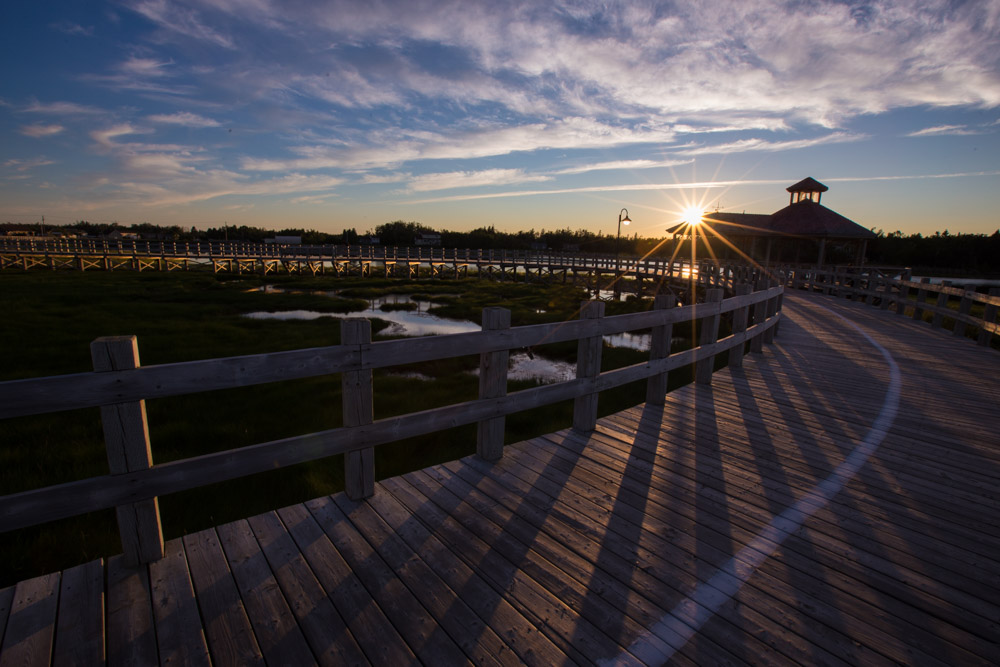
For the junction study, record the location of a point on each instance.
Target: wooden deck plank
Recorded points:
(227, 629)
(131, 635)
(426, 639)
(179, 634)
(890, 498)
(531, 647)
(623, 534)
(907, 583)
(473, 636)
(31, 623)
(380, 641)
(558, 569)
(278, 635)
(729, 480)
(80, 624)
(331, 642)
(474, 542)
(692, 531)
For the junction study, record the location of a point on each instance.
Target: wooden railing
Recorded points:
(246, 257)
(907, 297)
(120, 386)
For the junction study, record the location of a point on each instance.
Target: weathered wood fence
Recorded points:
(952, 306)
(362, 260)
(119, 385)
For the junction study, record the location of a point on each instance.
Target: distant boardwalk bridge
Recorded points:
(239, 257)
(831, 496)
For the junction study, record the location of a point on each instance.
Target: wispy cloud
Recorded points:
(26, 165)
(390, 148)
(944, 130)
(172, 17)
(694, 185)
(70, 28)
(763, 145)
(105, 138)
(472, 179)
(622, 165)
(184, 118)
(38, 131)
(64, 109)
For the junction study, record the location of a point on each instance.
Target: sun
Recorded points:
(692, 215)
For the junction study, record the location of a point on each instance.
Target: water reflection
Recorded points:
(421, 323)
(523, 367)
(402, 322)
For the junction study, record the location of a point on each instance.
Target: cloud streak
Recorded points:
(39, 131)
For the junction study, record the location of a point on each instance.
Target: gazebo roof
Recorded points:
(808, 184)
(807, 218)
(803, 219)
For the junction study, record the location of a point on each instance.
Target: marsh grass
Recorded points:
(52, 318)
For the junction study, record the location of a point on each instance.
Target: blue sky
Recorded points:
(521, 115)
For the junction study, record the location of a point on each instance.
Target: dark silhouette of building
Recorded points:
(802, 230)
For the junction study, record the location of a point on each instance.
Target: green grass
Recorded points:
(52, 318)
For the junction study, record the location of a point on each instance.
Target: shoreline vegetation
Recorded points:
(53, 317)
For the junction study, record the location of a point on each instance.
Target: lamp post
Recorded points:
(618, 267)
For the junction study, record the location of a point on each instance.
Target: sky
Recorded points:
(521, 115)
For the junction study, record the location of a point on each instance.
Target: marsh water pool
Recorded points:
(420, 322)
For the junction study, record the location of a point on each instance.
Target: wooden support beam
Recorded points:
(588, 365)
(741, 318)
(964, 306)
(918, 309)
(709, 335)
(772, 310)
(942, 303)
(358, 402)
(989, 317)
(659, 348)
(126, 437)
(759, 315)
(492, 384)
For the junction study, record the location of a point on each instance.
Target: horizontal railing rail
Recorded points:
(907, 297)
(120, 387)
(83, 390)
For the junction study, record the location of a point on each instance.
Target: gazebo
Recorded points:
(800, 225)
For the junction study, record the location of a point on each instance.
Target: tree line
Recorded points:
(973, 253)
(977, 254)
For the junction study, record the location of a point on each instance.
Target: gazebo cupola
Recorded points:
(807, 189)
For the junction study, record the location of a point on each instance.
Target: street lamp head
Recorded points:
(623, 216)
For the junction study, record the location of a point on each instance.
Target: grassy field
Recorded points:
(51, 318)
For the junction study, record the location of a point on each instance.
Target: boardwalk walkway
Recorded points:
(836, 501)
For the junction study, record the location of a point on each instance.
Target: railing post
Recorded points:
(918, 309)
(659, 348)
(126, 437)
(772, 310)
(588, 365)
(709, 335)
(759, 315)
(356, 387)
(902, 296)
(492, 384)
(740, 318)
(989, 317)
(942, 303)
(964, 306)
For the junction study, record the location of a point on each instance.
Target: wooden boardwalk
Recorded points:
(665, 536)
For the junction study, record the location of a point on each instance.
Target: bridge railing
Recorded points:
(119, 385)
(943, 302)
